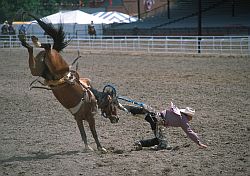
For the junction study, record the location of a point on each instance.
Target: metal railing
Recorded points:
(228, 45)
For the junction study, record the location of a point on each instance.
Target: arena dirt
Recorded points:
(39, 137)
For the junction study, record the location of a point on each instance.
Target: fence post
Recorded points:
(138, 43)
(126, 43)
(230, 45)
(214, 45)
(113, 43)
(10, 42)
(241, 47)
(181, 43)
(166, 44)
(78, 43)
(221, 50)
(248, 44)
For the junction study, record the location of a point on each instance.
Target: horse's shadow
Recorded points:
(38, 156)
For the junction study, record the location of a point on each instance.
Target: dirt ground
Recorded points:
(39, 137)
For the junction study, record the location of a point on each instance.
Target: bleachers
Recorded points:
(183, 14)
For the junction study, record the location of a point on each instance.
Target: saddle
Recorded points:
(85, 82)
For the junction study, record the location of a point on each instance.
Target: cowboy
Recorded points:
(4, 29)
(91, 24)
(174, 117)
(22, 29)
(11, 29)
(91, 29)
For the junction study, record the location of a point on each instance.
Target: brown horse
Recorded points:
(74, 93)
(91, 30)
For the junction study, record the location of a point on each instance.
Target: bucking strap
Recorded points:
(75, 109)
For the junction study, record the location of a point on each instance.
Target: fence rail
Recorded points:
(230, 45)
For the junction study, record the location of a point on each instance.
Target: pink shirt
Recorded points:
(172, 119)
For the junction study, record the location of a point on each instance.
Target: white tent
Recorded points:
(115, 17)
(73, 17)
(74, 23)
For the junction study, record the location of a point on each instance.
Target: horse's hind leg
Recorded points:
(35, 41)
(32, 62)
(93, 131)
(83, 134)
(24, 43)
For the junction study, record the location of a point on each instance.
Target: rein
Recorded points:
(38, 87)
(131, 101)
(140, 104)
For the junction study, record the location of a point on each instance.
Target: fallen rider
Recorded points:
(174, 117)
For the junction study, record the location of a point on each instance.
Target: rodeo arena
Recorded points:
(127, 87)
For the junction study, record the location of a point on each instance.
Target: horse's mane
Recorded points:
(57, 34)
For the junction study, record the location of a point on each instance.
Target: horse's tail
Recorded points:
(57, 34)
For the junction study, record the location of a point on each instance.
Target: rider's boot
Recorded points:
(146, 143)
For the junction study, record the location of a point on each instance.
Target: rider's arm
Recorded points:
(187, 129)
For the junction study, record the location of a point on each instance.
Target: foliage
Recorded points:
(11, 10)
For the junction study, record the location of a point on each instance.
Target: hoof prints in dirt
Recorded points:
(217, 88)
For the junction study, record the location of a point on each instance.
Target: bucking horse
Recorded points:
(74, 93)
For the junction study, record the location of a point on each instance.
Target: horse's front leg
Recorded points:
(83, 134)
(93, 131)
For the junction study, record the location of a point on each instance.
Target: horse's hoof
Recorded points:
(36, 42)
(22, 37)
(103, 150)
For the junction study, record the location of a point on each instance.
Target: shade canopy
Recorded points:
(115, 17)
(75, 17)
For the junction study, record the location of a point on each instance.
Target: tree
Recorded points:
(11, 10)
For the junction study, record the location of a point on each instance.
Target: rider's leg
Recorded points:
(163, 143)
(146, 143)
(149, 142)
(159, 139)
(150, 118)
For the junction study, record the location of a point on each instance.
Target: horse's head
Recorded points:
(110, 103)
